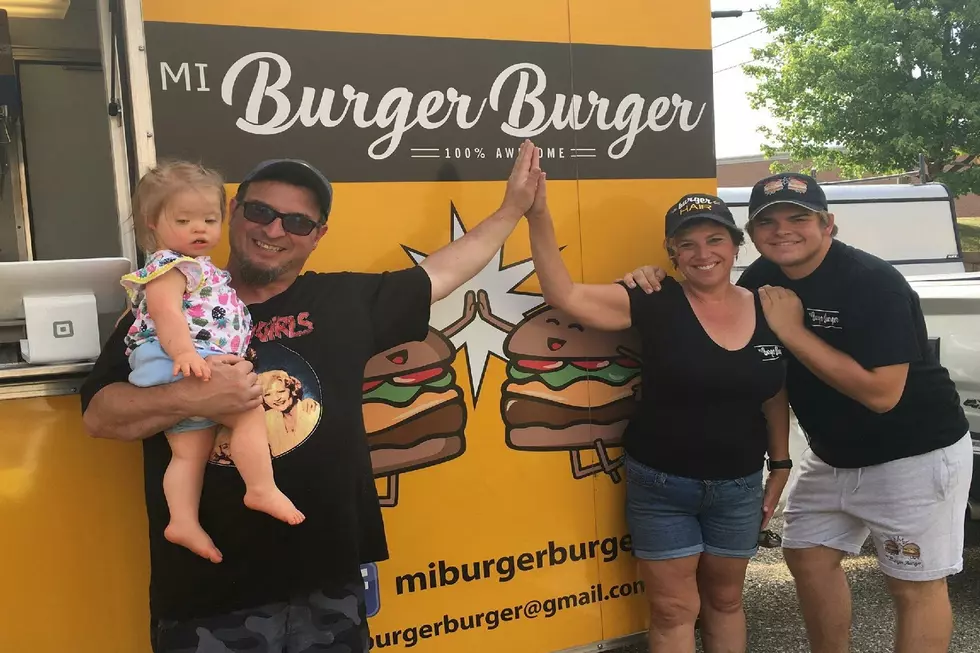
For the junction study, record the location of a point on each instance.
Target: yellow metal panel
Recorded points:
(73, 551)
(646, 23)
(544, 20)
(656, 23)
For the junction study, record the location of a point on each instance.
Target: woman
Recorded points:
(289, 417)
(712, 405)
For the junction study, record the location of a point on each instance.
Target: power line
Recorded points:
(737, 38)
(738, 65)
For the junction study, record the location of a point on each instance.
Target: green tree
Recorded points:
(869, 85)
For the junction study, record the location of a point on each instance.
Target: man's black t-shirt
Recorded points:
(864, 307)
(310, 345)
(700, 412)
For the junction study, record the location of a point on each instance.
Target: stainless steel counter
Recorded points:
(20, 381)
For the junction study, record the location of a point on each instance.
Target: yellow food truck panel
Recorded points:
(505, 508)
(74, 553)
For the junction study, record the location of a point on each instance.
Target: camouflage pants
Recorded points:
(333, 622)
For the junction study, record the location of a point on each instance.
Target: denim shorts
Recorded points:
(674, 517)
(152, 366)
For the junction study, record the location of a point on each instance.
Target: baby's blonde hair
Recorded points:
(155, 189)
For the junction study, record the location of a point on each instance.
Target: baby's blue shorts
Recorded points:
(152, 366)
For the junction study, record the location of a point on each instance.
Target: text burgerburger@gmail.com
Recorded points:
(492, 619)
(505, 568)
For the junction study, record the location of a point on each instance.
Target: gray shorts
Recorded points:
(913, 508)
(334, 623)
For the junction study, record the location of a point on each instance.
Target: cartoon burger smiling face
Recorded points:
(413, 410)
(567, 385)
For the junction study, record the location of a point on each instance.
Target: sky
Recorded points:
(736, 123)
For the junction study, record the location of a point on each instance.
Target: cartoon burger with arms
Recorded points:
(413, 409)
(569, 387)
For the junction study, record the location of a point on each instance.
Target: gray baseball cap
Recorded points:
(293, 171)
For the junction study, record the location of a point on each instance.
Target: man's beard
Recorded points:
(253, 275)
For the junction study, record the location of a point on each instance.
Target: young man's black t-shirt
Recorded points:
(864, 307)
(700, 413)
(310, 344)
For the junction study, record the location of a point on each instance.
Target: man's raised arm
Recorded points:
(458, 262)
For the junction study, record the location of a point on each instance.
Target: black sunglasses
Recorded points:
(294, 223)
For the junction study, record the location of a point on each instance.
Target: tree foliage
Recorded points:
(868, 85)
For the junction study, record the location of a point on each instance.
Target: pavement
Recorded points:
(775, 624)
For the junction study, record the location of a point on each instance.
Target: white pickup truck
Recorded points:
(951, 304)
(914, 228)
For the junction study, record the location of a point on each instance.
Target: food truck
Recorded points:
(504, 516)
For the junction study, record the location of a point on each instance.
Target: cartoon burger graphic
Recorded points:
(413, 409)
(569, 388)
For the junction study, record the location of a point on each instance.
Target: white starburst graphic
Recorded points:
(499, 281)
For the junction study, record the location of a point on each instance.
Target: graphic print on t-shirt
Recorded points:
(291, 397)
(770, 352)
(823, 319)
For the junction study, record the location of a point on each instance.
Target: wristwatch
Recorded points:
(779, 464)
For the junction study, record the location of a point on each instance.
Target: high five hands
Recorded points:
(525, 184)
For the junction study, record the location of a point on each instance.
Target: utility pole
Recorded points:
(923, 169)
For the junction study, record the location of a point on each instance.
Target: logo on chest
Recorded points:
(769, 352)
(824, 319)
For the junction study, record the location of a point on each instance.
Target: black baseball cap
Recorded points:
(293, 171)
(789, 188)
(695, 206)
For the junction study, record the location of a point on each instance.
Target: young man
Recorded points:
(890, 451)
(279, 587)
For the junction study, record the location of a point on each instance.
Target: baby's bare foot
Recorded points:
(274, 502)
(190, 535)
